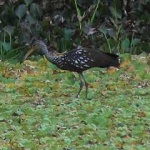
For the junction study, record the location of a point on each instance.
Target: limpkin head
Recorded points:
(39, 46)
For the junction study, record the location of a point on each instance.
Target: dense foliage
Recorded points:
(117, 25)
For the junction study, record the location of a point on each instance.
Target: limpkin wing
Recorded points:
(81, 59)
(77, 60)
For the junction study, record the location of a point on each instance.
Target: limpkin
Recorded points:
(77, 60)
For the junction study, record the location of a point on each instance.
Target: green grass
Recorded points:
(38, 108)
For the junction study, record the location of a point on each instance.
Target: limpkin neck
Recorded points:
(52, 55)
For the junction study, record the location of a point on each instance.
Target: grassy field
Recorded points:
(39, 111)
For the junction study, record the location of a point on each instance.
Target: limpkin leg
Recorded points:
(82, 83)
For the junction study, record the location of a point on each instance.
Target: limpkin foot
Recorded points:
(82, 83)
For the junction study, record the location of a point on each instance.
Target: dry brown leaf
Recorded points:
(112, 70)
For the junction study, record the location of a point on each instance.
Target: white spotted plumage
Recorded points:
(78, 60)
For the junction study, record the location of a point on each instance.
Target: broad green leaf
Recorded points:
(116, 13)
(125, 44)
(9, 29)
(112, 32)
(36, 10)
(135, 42)
(30, 19)
(103, 29)
(68, 34)
(21, 10)
(6, 46)
(28, 2)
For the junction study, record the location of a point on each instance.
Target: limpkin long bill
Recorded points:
(77, 60)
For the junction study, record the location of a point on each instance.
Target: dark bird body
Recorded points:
(78, 60)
